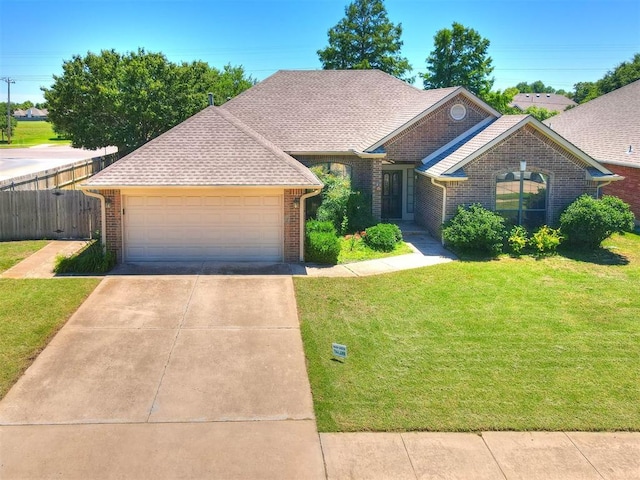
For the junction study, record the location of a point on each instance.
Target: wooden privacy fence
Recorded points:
(50, 214)
(61, 177)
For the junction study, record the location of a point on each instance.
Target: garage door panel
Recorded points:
(217, 227)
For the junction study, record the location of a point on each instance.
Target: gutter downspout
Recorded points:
(303, 199)
(444, 204)
(604, 184)
(103, 216)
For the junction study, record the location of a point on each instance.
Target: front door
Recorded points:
(392, 194)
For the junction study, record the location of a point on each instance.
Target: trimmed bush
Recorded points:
(546, 240)
(322, 244)
(313, 226)
(382, 237)
(588, 221)
(359, 212)
(475, 229)
(322, 247)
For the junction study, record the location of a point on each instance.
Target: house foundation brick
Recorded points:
(113, 229)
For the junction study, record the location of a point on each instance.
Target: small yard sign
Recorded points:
(339, 351)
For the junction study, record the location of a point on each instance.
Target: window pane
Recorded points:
(534, 197)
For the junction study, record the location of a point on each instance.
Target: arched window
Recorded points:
(521, 197)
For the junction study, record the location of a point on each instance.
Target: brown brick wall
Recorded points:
(113, 235)
(567, 173)
(292, 226)
(366, 174)
(627, 189)
(432, 132)
(428, 205)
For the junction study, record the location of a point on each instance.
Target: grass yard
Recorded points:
(13, 252)
(509, 344)
(32, 133)
(353, 249)
(32, 311)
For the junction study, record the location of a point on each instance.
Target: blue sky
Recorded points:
(560, 42)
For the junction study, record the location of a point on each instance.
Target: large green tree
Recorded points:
(364, 39)
(459, 58)
(127, 99)
(624, 74)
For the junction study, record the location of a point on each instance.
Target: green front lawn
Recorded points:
(13, 252)
(32, 133)
(32, 311)
(510, 344)
(353, 249)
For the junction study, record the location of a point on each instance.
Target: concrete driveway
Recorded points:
(168, 377)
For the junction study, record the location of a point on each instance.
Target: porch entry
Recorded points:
(391, 194)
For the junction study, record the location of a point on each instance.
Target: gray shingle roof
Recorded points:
(448, 162)
(606, 126)
(212, 148)
(331, 110)
(550, 101)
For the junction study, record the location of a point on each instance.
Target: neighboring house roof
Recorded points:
(212, 148)
(447, 163)
(31, 112)
(606, 127)
(334, 110)
(550, 101)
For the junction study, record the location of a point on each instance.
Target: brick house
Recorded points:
(607, 128)
(232, 182)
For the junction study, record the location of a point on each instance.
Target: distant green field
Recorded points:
(30, 134)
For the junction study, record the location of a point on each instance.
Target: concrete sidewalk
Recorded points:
(40, 264)
(489, 456)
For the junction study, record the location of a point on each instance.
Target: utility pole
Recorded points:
(9, 82)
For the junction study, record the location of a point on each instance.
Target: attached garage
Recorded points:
(227, 225)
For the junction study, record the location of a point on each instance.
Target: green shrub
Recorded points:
(335, 197)
(322, 247)
(518, 240)
(317, 226)
(546, 240)
(91, 259)
(475, 229)
(587, 221)
(382, 237)
(359, 212)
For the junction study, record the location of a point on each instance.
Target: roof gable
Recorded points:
(448, 162)
(212, 148)
(605, 127)
(334, 110)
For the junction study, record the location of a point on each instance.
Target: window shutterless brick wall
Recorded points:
(113, 230)
(567, 177)
(628, 189)
(366, 174)
(433, 131)
(428, 206)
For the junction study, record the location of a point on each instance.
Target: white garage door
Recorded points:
(236, 227)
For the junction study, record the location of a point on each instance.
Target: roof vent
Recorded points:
(210, 99)
(630, 151)
(538, 95)
(527, 95)
(548, 95)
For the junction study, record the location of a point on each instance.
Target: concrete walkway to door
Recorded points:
(168, 377)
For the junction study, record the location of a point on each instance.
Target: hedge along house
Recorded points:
(231, 182)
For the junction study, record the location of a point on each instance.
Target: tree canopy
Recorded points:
(364, 39)
(459, 58)
(624, 74)
(127, 99)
